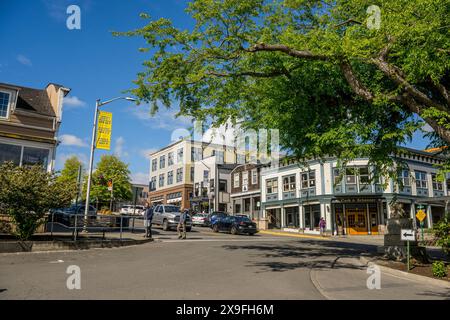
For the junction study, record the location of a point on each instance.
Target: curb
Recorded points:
(315, 282)
(408, 276)
(294, 235)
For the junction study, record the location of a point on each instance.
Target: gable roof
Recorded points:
(34, 100)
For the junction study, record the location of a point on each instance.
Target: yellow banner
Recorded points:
(104, 129)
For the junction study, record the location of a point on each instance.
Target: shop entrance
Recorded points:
(356, 221)
(274, 218)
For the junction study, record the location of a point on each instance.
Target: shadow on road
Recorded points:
(308, 254)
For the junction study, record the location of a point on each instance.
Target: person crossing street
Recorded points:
(181, 228)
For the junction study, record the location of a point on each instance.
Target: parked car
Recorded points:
(67, 215)
(130, 210)
(200, 219)
(168, 217)
(216, 216)
(236, 225)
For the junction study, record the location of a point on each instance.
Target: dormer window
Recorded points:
(4, 104)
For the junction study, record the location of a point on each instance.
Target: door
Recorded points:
(356, 221)
(157, 215)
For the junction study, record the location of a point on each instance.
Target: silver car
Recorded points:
(168, 217)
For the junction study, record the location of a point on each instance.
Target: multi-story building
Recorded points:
(246, 190)
(212, 185)
(295, 197)
(172, 169)
(29, 123)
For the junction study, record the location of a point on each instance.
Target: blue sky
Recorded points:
(39, 48)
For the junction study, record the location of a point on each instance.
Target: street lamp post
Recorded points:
(98, 104)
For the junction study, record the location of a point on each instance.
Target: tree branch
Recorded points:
(304, 54)
(354, 82)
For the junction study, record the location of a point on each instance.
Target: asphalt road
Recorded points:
(206, 266)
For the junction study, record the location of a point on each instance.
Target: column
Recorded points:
(301, 216)
(413, 214)
(344, 222)
(328, 216)
(388, 209)
(429, 217)
(369, 222)
(283, 218)
(380, 212)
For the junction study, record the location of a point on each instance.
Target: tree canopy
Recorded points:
(69, 175)
(111, 168)
(324, 72)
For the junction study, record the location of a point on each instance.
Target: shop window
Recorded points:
(9, 152)
(32, 156)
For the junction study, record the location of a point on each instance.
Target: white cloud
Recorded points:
(24, 60)
(73, 102)
(119, 149)
(139, 177)
(71, 140)
(146, 152)
(164, 119)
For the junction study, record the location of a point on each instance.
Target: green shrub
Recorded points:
(441, 232)
(439, 269)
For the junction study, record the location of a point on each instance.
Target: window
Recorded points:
(404, 178)
(196, 154)
(223, 185)
(170, 159)
(436, 184)
(350, 176)
(337, 176)
(421, 179)
(179, 174)
(245, 178)
(192, 174)
(153, 184)
(240, 158)
(272, 186)
(289, 183)
(161, 180)
(254, 176)
(169, 177)
(32, 156)
(308, 179)
(205, 176)
(236, 180)
(4, 104)
(364, 175)
(162, 162)
(154, 164)
(220, 157)
(180, 155)
(9, 152)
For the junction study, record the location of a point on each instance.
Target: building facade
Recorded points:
(29, 123)
(295, 197)
(246, 190)
(172, 171)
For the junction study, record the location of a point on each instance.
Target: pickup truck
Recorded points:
(168, 217)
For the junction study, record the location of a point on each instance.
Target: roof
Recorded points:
(34, 100)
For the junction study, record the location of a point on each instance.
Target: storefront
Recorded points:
(273, 218)
(357, 216)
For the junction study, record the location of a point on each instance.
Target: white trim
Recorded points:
(10, 102)
(245, 194)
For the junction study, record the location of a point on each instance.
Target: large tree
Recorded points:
(69, 175)
(323, 72)
(110, 168)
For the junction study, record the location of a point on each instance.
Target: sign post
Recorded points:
(407, 235)
(421, 215)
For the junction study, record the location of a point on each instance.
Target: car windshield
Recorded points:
(171, 209)
(243, 219)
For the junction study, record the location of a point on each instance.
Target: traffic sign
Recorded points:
(408, 235)
(421, 215)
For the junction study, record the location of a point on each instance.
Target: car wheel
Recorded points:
(188, 229)
(165, 225)
(251, 234)
(215, 228)
(234, 231)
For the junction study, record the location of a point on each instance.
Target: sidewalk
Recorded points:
(347, 278)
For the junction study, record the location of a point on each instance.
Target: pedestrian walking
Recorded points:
(181, 228)
(148, 216)
(322, 225)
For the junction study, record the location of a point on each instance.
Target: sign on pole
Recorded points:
(104, 130)
(421, 215)
(408, 235)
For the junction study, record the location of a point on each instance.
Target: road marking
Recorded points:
(220, 240)
(283, 234)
